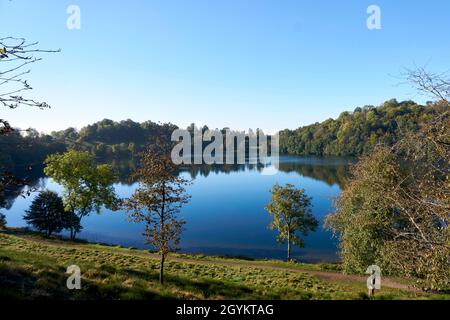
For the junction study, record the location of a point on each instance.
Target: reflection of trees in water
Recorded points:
(125, 168)
(330, 174)
(205, 170)
(329, 170)
(11, 192)
(326, 170)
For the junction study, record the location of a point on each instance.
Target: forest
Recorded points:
(358, 132)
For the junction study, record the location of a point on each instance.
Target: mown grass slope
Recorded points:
(32, 267)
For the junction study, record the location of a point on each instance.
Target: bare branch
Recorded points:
(435, 85)
(16, 53)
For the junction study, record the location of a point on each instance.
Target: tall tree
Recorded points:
(87, 185)
(290, 209)
(158, 200)
(395, 209)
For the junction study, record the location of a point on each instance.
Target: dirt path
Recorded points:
(323, 275)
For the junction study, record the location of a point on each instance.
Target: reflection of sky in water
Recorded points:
(225, 215)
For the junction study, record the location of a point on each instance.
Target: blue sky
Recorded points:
(236, 63)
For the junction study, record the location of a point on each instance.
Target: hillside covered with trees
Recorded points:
(105, 139)
(358, 132)
(20, 150)
(111, 139)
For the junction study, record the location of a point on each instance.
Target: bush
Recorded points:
(46, 213)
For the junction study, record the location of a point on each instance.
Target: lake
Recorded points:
(226, 214)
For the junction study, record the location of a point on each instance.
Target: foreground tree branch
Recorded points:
(16, 54)
(434, 85)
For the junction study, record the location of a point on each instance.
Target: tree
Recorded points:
(158, 200)
(290, 209)
(87, 186)
(72, 223)
(395, 209)
(2, 221)
(46, 213)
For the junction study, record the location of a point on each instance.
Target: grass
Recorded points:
(274, 263)
(32, 267)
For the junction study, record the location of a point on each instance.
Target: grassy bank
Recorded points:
(34, 267)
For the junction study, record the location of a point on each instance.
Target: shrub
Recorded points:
(46, 213)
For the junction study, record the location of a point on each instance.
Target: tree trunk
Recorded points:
(73, 234)
(161, 269)
(162, 221)
(289, 247)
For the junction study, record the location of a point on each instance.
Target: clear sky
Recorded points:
(237, 63)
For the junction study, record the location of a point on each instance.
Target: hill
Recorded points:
(110, 139)
(355, 133)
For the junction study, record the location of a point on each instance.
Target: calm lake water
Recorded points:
(226, 213)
